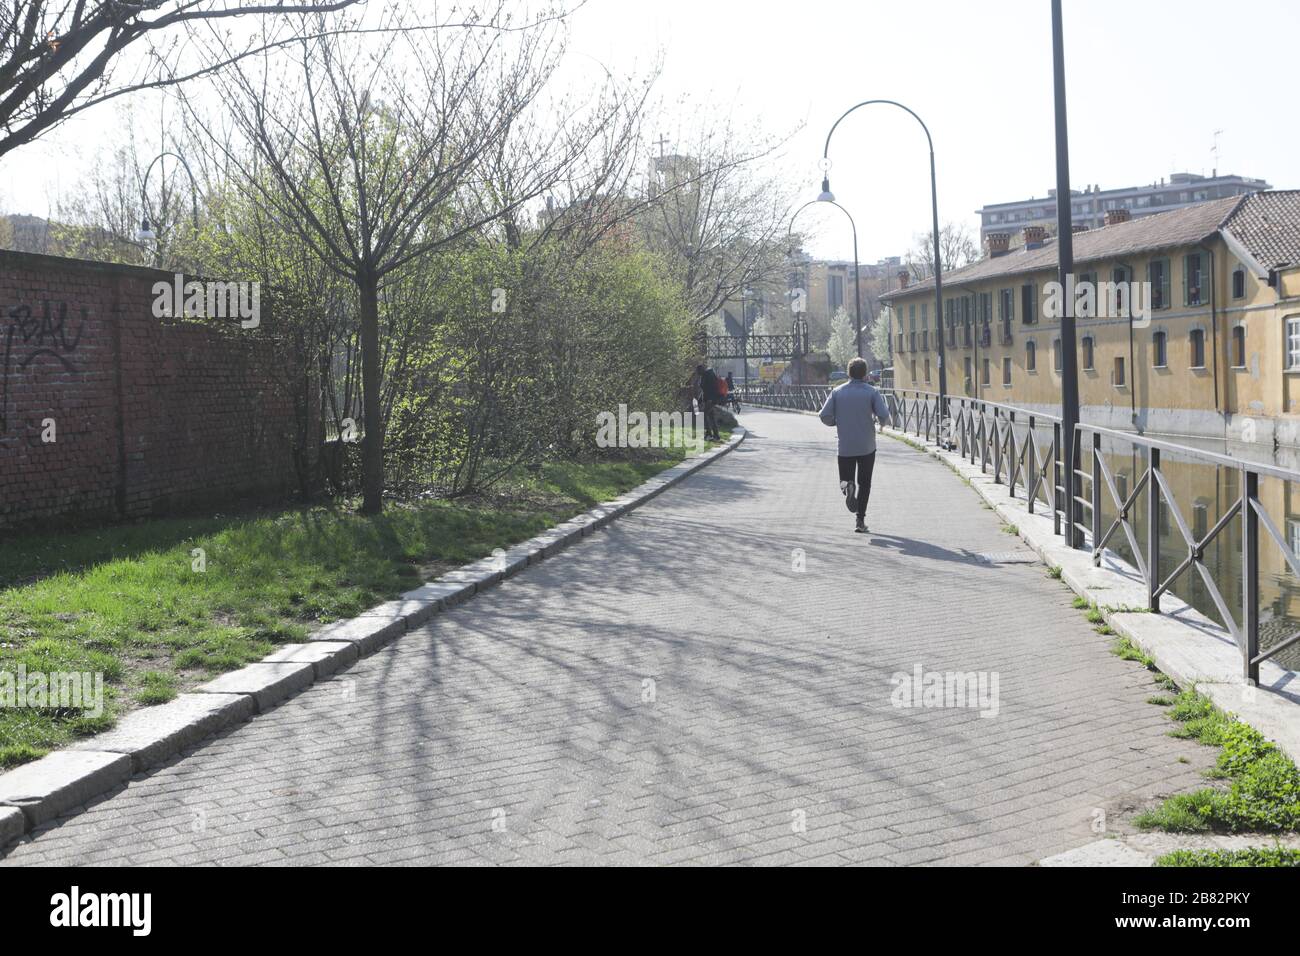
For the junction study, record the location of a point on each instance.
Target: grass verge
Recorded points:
(160, 606)
(1252, 856)
(1263, 792)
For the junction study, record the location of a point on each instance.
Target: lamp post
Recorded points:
(1065, 266)
(744, 341)
(829, 199)
(934, 209)
(146, 232)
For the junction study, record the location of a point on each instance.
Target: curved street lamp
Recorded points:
(146, 232)
(828, 196)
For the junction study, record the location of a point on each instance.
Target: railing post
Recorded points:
(1030, 451)
(1096, 499)
(970, 432)
(984, 438)
(1153, 531)
(1056, 478)
(997, 449)
(1250, 575)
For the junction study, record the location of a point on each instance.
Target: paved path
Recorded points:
(523, 727)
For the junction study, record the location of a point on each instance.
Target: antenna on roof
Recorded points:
(1215, 150)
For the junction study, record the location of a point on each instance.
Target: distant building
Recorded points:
(670, 172)
(822, 286)
(1090, 205)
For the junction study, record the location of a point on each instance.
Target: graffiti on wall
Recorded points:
(28, 334)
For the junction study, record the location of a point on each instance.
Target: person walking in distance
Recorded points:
(852, 410)
(708, 396)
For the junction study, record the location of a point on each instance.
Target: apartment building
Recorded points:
(1089, 206)
(1218, 357)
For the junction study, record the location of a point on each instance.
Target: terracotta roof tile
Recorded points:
(1268, 225)
(1178, 227)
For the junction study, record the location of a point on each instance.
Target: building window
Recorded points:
(1293, 341)
(970, 372)
(1006, 371)
(1192, 278)
(1087, 353)
(1007, 305)
(1119, 372)
(927, 371)
(1159, 350)
(1197, 342)
(1028, 303)
(1057, 361)
(913, 371)
(1239, 283)
(1200, 520)
(1158, 276)
(835, 292)
(1119, 303)
(1238, 346)
(1031, 357)
(984, 373)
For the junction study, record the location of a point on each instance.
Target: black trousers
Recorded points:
(863, 465)
(710, 418)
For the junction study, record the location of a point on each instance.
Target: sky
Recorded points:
(1149, 82)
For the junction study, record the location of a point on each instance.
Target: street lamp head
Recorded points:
(827, 195)
(146, 233)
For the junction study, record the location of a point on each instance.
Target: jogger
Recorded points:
(852, 409)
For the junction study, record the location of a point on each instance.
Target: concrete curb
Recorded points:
(38, 792)
(1143, 849)
(1185, 644)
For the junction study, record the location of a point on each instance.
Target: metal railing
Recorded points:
(1246, 506)
(803, 398)
(1022, 449)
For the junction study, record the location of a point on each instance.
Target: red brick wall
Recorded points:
(151, 414)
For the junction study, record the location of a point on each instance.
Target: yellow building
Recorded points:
(1195, 329)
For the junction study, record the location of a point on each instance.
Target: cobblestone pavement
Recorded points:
(675, 690)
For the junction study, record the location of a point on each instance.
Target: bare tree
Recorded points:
(367, 152)
(718, 215)
(589, 193)
(956, 249)
(60, 57)
(98, 218)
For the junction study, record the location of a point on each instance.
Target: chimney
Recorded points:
(1035, 236)
(1116, 216)
(903, 276)
(997, 243)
